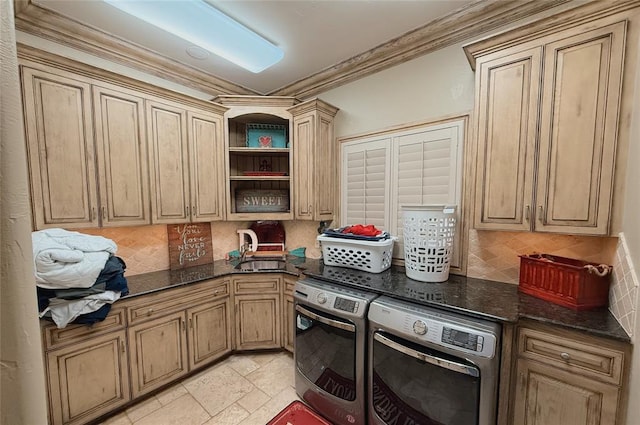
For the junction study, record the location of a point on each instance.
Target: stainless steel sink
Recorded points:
(262, 264)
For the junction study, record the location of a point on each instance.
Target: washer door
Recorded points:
(326, 351)
(412, 384)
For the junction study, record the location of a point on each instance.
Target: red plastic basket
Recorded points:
(572, 283)
(297, 413)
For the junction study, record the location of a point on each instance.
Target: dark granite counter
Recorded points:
(477, 297)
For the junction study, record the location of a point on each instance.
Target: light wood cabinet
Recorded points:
(186, 163)
(547, 122)
(158, 351)
(121, 152)
(144, 343)
(315, 159)
(288, 314)
(564, 378)
(88, 379)
(103, 154)
(257, 311)
(209, 332)
(173, 332)
(59, 133)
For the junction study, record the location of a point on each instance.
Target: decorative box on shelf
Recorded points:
(266, 136)
(572, 283)
(262, 200)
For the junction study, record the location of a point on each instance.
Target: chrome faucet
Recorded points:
(244, 248)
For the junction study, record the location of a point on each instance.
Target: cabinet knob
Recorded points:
(104, 212)
(149, 312)
(565, 356)
(527, 212)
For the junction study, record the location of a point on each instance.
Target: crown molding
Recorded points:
(574, 17)
(460, 25)
(474, 19)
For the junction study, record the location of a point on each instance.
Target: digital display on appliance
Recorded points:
(345, 305)
(460, 338)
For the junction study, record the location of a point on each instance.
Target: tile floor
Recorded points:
(244, 389)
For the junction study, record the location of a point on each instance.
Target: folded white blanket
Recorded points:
(65, 259)
(64, 312)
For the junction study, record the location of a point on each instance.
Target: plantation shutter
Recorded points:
(427, 171)
(365, 176)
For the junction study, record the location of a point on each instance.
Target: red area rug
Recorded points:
(297, 413)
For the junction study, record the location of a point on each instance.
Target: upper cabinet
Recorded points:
(59, 134)
(105, 152)
(547, 114)
(185, 156)
(315, 159)
(121, 156)
(280, 158)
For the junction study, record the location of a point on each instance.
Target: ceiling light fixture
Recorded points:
(205, 26)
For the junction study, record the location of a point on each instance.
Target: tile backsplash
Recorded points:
(494, 255)
(623, 294)
(146, 248)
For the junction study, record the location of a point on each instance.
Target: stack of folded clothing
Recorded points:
(78, 276)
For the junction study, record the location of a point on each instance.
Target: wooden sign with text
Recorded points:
(189, 245)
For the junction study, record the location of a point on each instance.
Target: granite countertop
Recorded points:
(486, 299)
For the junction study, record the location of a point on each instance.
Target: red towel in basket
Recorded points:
(362, 230)
(297, 413)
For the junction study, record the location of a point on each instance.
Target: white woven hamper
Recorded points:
(429, 232)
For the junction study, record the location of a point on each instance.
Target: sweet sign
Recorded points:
(189, 245)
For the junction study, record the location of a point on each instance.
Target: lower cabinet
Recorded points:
(144, 343)
(288, 325)
(564, 378)
(209, 335)
(88, 379)
(158, 351)
(257, 309)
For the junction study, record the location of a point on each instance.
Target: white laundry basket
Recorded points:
(428, 233)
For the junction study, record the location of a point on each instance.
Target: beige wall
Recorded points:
(22, 387)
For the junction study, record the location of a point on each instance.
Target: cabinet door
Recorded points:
(507, 116)
(158, 351)
(209, 332)
(89, 379)
(121, 145)
(168, 160)
(578, 131)
(206, 165)
(288, 315)
(315, 167)
(548, 396)
(59, 133)
(257, 321)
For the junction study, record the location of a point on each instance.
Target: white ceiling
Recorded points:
(315, 35)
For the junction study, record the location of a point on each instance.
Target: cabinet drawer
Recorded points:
(259, 284)
(54, 337)
(167, 302)
(597, 361)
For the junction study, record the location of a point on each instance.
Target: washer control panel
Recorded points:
(332, 298)
(435, 328)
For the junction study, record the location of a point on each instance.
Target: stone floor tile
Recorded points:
(181, 411)
(232, 415)
(121, 419)
(242, 364)
(218, 389)
(143, 408)
(171, 394)
(252, 401)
